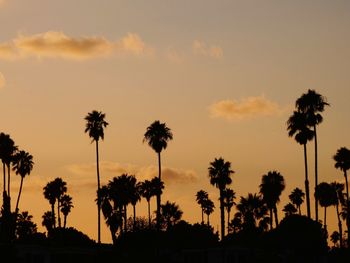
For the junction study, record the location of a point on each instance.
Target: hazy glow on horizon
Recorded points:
(200, 66)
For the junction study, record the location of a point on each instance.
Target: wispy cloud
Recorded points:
(174, 55)
(2, 80)
(111, 169)
(246, 108)
(202, 49)
(53, 44)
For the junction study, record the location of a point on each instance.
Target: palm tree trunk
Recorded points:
(149, 213)
(346, 185)
(271, 216)
(316, 175)
(64, 221)
(202, 215)
(158, 195)
(58, 213)
(222, 214)
(325, 218)
(3, 167)
(134, 208)
(98, 197)
(8, 187)
(299, 210)
(228, 221)
(340, 227)
(347, 206)
(208, 220)
(53, 215)
(307, 190)
(276, 215)
(19, 195)
(125, 219)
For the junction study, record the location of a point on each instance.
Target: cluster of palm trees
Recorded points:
(56, 193)
(21, 162)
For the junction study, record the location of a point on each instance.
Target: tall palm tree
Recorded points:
(297, 198)
(157, 136)
(327, 197)
(201, 197)
(49, 194)
(22, 165)
(313, 104)
(271, 187)
(342, 162)
(95, 124)
(220, 176)
(229, 202)
(66, 207)
(171, 214)
(297, 127)
(338, 188)
(135, 196)
(146, 190)
(289, 209)
(208, 208)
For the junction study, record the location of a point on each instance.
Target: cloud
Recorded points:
(2, 80)
(53, 44)
(244, 109)
(174, 56)
(202, 49)
(111, 169)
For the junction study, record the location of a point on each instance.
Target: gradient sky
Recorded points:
(224, 76)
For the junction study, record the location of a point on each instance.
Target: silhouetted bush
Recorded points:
(69, 237)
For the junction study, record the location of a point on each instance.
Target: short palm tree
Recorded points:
(22, 165)
(327, 197)
(95, 124)
(66, 207)
(271, 187)
(157, 136)
(171, 214)
(297, 198)
(229, 202)
(47, 222)
(338, 188)
(201, 197)
(335, 237)
(146, 190)
(135, 196)
(60, 188)
(289, 209)
(220, 176)
(313, 104)
(49, 194)
(297, 127)
(208, 208)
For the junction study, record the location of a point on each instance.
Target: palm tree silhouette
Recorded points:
(60, 188)
(271, 187)
(95, 124)
(229, 202)
(147, 191)
(201, 197)
(297, 198)
(171, 214)
(135, 196)
(289, 209)
(342, 162)
(49, 194)
(208, 208)
(327, 197)
(312, 104)
(220, 176)
(157, 136)
(66, 207)
(297, 127)
(335, 237)
(22, 165)
(338, 188)
(47, 222)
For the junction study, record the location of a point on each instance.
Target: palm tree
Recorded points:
(171, 214)
(146, 190)
(49, 194)
(47, 222)
(135, 196)
(252, 209)
(335, 237)
(208, 208)
(157, 136)
(297, 127)
(66, 207)
(236, 223)
(271, 187)
(23, 165)
(289, 209)
(338, 189)
(60, 188)
(327, 197)
(220, 176)
(229, 202)
(342, 162)
(201, 197)
(297, 198)
(313, 104)
(95, 124)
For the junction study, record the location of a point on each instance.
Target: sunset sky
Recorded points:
(223, 75)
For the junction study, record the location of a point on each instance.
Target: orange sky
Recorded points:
(224, 76)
